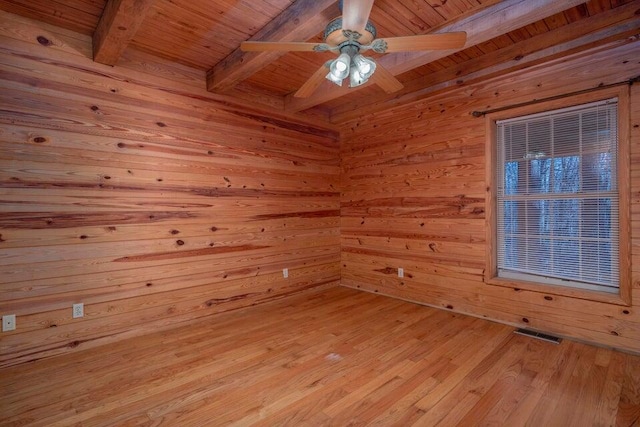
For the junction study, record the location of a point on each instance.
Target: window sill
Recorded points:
(608, 298)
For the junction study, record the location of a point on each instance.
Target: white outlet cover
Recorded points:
(9, 323)
(78, 310)
(285, 273)
(400, 272)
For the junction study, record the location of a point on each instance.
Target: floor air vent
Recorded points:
(538, 335)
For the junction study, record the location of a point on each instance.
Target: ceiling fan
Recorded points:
(349, 35)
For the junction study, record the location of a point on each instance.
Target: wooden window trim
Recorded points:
(623, 297)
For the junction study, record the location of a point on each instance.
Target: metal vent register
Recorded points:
(538, 335)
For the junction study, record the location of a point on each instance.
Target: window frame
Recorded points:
(623, 296)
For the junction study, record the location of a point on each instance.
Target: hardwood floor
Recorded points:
(337, 357)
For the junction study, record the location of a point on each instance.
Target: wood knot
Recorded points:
(432, 246)
(214, 229)
(625, 311)
(121, 145)
(614, 333)
(39, 139)
(180, 242)
(518, 57)
(44, 41)
(94, 108)
(548, 298)
(449, 306)
(149, 285)
(161, 124)
(174, 232)
(84, 236)
(525, 320)
(73, 344)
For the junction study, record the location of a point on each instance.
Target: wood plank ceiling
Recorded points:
(205, 35)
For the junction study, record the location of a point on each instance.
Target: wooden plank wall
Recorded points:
(413, 197)
(143, 197)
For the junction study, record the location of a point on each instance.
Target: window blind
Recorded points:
(557, 197)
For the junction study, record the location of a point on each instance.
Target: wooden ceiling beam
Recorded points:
(598, 30)
(488, 23)
(301, 21)
(117, 27)
(438, 83)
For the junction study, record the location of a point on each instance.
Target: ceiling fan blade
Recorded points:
(355, 14)
(423, 42)
(313, 83)
(387, 81)
(255, 46)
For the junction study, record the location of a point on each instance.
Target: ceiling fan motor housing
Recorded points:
(334, 34)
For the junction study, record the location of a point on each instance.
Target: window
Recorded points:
(558, 206)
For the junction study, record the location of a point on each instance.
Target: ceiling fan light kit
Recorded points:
(350, 34)
(339, 68)
(361, 71)
(351, 63)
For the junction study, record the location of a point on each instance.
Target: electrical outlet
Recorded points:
(9, 323)
(285, 273)
(78, 310)
(400, 272)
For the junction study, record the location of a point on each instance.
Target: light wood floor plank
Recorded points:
(334, 357)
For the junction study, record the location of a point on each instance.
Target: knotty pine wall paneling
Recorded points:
(413, 181)
(140, 195)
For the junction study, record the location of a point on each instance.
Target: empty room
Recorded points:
(320, 212)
